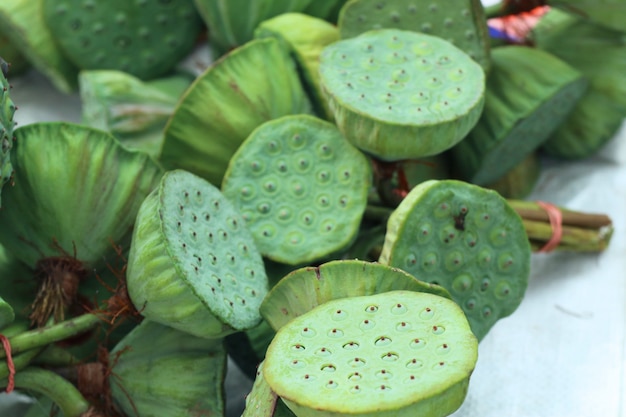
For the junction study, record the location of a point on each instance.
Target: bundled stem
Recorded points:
(581, 232)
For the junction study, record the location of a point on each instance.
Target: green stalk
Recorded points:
(45, 335)
(20, 362)
(59, 390)
(55, 356)
(573, 239)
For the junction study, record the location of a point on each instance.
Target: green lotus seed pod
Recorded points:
(301, 188)
(162, 372)
(7, 110)
(191, 249)
(599, 54)
(466, 239)
(23, 23)
(225, 104)
(520, 113)
(230, 28)
(261, 401)
(306, 288)
(143, 38)
(134, 111)
(519, 182)
(460, 22)
(402, 95)
(88, 189)
(395, 354)
(305, 36)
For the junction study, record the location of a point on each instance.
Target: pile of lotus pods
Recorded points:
(335, 202)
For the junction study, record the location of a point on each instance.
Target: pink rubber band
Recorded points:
(556, 221)
(7, 348)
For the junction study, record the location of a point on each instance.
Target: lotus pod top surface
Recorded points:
(160, 371)
(466, 239)
(461, 22)
(144, 38)
(306, 288)
(251, 85)
(87, 189)
(191, 248)
(300, 186)
(399, 94)
(7, 110)
(520, 112)
(399, 353)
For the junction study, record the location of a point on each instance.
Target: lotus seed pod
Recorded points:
(402, 95)
(23, 24)
(162, 372)
(395, 354)
(306, 37)
(134, 111)
(191, 249)
(7, 110)
(306, 288)
(466, 239)
(521, 112)
(146, 39)
(598, 53)
(460, 22)
(261, 401)
(225, 104)
(301, 188)
(519, 182)
(231, 28)
(88, 189)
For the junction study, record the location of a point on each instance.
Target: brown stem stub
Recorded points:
(59, 277)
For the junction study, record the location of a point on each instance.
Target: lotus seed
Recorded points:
(355, 376)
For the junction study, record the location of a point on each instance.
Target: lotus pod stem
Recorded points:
(45, 335)
(62, 392)
(581, 232)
